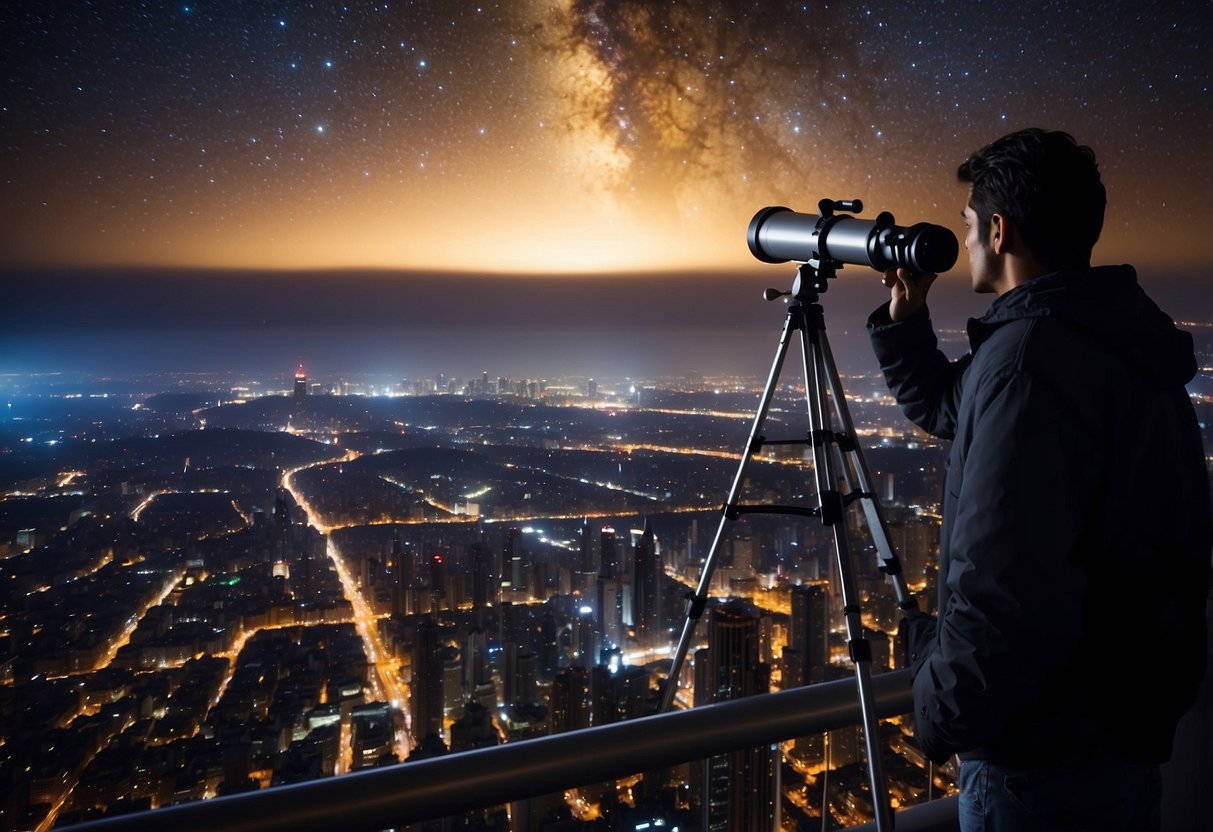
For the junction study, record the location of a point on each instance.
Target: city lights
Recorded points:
(338, 544)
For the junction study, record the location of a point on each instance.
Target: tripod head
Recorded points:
(809, 283)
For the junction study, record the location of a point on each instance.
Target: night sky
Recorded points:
(568, 136)
(548, 135)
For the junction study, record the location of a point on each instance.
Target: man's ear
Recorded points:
(999, 234)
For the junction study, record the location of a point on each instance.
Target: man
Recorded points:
(1075, 545)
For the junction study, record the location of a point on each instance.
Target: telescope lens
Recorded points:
(776, 234)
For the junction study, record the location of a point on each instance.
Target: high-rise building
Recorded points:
(585, 636)
(300, 384)
(547, 646)
(425, 700)
(618, 694)
(587, 565)
(810, 633)
(510, 619)
(734, 666)
(282, 525)
(646, 597)
(608, 558)
(882, 653)
(807, 654)
(452, 682)
(703, 688)
(520, 677)
(480, 574)
(570, 708)
(793, 667)
(395, 553)
(371, 735)
(608, 615)
(402, 578)
(437, 581)
(739, 789)
(474, 729)
(475, 659)
(511, 562)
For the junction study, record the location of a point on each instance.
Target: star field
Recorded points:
(567, 135)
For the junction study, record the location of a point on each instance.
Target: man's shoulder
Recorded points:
(1002, 348)
(1040, 344)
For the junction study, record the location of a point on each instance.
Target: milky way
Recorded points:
(567, 135)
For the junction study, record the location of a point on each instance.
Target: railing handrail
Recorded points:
(408, 792)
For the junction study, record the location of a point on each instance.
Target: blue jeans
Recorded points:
(1104, 796)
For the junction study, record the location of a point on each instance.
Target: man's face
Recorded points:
(983, 265)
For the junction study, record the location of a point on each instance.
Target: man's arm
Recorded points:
(922, 379)
(1013, 618)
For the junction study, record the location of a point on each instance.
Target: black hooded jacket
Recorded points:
(1075, 545)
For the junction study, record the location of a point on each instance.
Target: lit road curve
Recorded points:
(385, 683)
(122, 639)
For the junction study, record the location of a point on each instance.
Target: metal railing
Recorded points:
(393, 796)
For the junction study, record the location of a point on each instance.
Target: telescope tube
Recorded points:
(777, 235)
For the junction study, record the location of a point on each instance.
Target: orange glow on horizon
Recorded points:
(553, 232)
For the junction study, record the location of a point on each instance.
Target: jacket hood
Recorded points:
(1107, 303)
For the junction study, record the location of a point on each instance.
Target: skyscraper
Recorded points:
(608, 615)
(810, 633)
(646, 598)
(511, 561)
(300, 385)
(425, 701)
(739, 789)
(806, 657)
(608, 562)
(520, 675)
(477, 683)
(587, 566)
(570, 700)
(402, 578)
(282, 525)
(480, 574)
(618, 694)
(547, 646)
(474, 729)
(437, 581)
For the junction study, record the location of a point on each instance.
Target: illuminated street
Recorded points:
(117, 644)
(385, 681)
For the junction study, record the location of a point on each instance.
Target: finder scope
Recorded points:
(777, 235)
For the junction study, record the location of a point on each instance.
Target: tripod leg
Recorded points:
(817, 378)
(890, 564)
(794, 321)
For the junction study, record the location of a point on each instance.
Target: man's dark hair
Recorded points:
(1048, 185)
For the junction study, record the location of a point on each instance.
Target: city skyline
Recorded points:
(227, 587)
(338, 324)
(291, 586)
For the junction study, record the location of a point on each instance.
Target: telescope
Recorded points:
(828, 241)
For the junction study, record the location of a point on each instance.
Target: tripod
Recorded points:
(830, 450)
